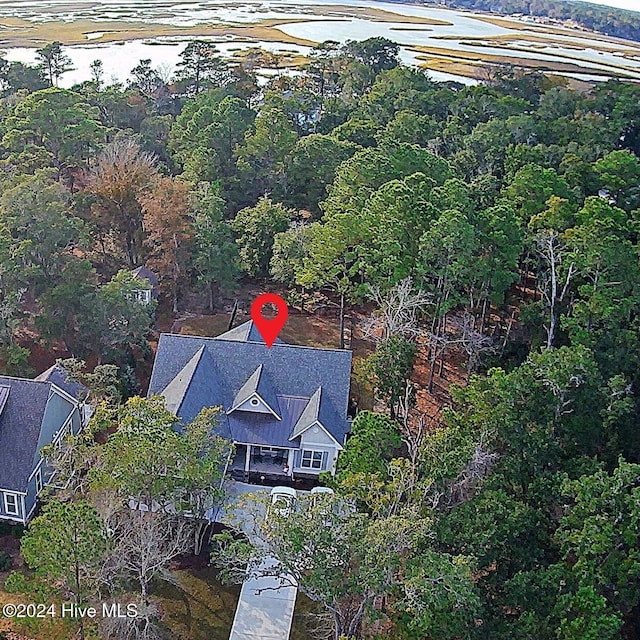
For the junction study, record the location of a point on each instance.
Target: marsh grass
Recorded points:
(470, 57)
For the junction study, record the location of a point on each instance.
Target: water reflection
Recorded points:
(331, 20)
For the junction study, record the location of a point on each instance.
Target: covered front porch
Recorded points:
(262, 463)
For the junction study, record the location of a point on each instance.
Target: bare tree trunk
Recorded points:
(552, 252)
(483, 317)
(342, 320)
(233, 315)
(432, 368)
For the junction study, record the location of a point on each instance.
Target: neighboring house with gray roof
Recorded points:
(283, 405)
(33, 413)
(149, 285)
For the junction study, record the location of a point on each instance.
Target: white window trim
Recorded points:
(65, 430)
(312, 451)
(255, 395)
(143, 296)
(317, 423)
(8, 511)
(39, 480)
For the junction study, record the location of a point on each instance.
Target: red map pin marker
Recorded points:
(269, 328)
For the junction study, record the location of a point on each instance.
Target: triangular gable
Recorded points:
(248, 388)
(237, 334)
(57, 375)
(309, 416)
(258, 389)
(312, 417)
(319, 424)
(176, 390)
(245, 332)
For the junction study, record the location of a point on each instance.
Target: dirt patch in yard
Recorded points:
(301, 329)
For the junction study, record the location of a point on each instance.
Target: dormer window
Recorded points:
(11, 504)
(257, 396)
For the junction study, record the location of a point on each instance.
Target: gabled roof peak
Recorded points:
(176, 390)
(258, 385)
(4, 396)
(309, 416)
(245, 332)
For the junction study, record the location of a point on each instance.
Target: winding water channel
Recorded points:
(316, 21)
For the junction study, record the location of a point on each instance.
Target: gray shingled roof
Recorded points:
(245, 332)
(205, 383)
(258, 383)
(20, 425)
(59, 377)
(292, 371)
(146, 274)
(175, 392)
(309, 416)
(260, 428)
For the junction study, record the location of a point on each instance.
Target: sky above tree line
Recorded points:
(632, 5)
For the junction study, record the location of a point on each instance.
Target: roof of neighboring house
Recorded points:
(20, 424)
(194, 372)
(60, 378)
(146, 274)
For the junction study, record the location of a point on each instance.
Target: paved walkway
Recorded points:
(265, 608)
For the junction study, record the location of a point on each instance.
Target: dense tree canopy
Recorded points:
(485, 236)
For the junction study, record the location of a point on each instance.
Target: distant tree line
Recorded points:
(611, 21)
(489, 231)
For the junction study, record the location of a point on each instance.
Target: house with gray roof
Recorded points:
(286, 405)
(149, 285)
(34, 413)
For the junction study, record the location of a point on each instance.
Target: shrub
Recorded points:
(16, 582)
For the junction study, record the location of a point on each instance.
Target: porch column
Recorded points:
(247, 459)
(290, 460)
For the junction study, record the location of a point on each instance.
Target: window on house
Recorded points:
(38, 481)
(311, 459)
(61, 435)
(269, 451)
(11, 504)
(143, 296)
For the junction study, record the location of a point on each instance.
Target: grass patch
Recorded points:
(198, 607)
(375, 15)
(20, 33)
(521, 25)
(526, 63)
(446, 65)
(16, 32)
(580, 43)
